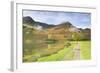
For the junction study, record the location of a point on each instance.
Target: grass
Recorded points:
(85, 50)
(67, 53)
(58, 56)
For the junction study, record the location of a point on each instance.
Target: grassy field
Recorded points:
(58, 56)
(67, 53)
(85, 50)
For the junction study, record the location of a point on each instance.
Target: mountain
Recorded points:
(64, 28)
(66, 24)
(28, 20)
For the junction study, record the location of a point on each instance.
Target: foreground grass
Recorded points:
(58, 56)
(85, 47)
(67, 53)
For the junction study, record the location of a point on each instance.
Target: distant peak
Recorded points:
(28, 20)
(66, 24)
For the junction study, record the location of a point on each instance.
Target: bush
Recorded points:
(67, 44)
(51, 41)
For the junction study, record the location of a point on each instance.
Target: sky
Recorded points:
(78, 19)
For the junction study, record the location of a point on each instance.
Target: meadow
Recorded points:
(68, 53)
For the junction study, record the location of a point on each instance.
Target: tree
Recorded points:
(76, 36)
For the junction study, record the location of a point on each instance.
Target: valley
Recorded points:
(44, 42)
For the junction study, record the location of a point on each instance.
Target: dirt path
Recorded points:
(74, 54)
(76, 51)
